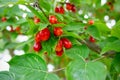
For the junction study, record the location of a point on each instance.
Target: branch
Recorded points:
(36, 4)
(96, 48)
(57, 70)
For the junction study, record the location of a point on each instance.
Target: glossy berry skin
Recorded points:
(37, 37)
(43, 35)
(62, 11)
(66, 43)
(57, 10)
(68, 6)
(37, 46)
(36, 20)
(73, 8)
(59, 53)
(52, 19)
(59, 46)
(58, 31)
(4, 19)
(91, 39)
(90, 22)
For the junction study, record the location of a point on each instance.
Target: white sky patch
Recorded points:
(21, 38)
(4, 66)
(24, 15)
(86, 16)
(84, 21)
(24, 8)
(103, 2)
(106, 18)
(111, 23)
(50, 67)
(10, 5)
(5, 56)
(80, 11)
(19, 52)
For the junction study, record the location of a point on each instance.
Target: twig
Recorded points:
(98, 58)
(57, 70)
(36, 4)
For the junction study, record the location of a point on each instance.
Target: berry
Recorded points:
(91, 39)
(90, 22)
(43, 35)
(59, 46)
(57, 9)
(36, 20)
(52, 19)
(37, 37)
(73, 8)
(59, 53)
(58, 31)
(4, 19)
(68, 6)
(37, 46)
(18, 29)
(61, 10)
(66, 43)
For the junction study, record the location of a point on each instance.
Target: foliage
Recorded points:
(90, 50)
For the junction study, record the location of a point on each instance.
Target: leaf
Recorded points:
(74, 26)
(41, 16)
(116, 30)
(115, 46)
(28, 67)
(103, 29)
(77, 51)
(80, 70)
(93, 31)
(52, 77)
(5, 75)
(116, 64)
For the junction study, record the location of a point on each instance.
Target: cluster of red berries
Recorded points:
(44, 35)
(17, 29)
(69, 6)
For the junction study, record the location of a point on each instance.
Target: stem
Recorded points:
(57, 70)
(97, 59)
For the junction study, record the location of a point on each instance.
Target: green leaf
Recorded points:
(93, 31)
(28, 67)
(74, 26)
(77, 51)
(80, 70)
(115, 46)
(116, 64)
(5, 75)
(41, 16)
(52, 77)
(103, 29)
(116, 30)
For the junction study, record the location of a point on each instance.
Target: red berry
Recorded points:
(90, 22)
(61, 10)
(57, 9)
(37, 37)
(91, 39)
(73, 8)
(59, 46)
(58, 31)
(36, 20)
(59, 53)
(43, 35)
(66, 43)
(68, 6)
(37, 46)
(18, 28)
(52, 19)
(4, 19)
